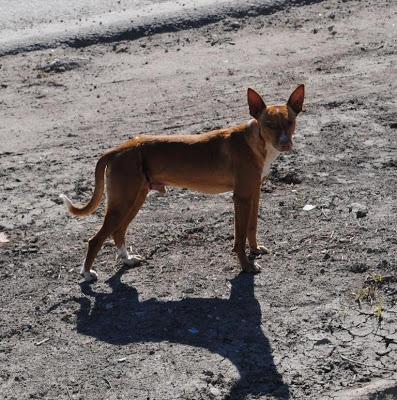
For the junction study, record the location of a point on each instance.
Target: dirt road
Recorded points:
(320, 321)
(39, 24)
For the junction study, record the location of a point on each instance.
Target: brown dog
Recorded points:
(234, 159)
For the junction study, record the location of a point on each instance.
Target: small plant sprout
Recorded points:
(379, 311)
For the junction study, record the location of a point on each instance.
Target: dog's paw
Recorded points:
(132, 260)
(260, 250)
(128, 259)
(89, 276)
(252, 268)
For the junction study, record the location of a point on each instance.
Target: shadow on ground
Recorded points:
(229, 327)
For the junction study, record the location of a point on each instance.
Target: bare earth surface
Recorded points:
(319, 322)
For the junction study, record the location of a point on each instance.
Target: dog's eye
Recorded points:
(270, 126)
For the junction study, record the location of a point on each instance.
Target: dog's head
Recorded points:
(277, 123)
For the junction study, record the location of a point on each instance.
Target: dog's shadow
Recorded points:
(229, 327)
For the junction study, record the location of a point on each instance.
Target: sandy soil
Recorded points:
(319, 320)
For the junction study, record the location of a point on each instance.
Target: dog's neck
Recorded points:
(262, 148)
(271, 155)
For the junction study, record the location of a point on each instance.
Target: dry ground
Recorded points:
(321, 317)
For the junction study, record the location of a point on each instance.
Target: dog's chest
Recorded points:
(271, 155)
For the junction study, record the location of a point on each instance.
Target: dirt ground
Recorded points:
(321, 318)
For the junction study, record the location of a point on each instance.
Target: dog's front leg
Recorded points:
(255, 250)
(242, 208)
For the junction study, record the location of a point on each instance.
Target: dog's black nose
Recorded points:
(283, 139)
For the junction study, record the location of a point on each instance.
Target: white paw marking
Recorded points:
(133, 260)
(89, 276)
(127, 258)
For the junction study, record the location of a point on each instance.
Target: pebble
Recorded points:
(358, 268)
(322, 341)
(358, 209)
(215, 391)
(235, 25)
(326, 256)
(231, 25)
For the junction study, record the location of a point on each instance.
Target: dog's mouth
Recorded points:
(285, 147)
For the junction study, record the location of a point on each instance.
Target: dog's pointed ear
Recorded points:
(296, 99)
(255, 103)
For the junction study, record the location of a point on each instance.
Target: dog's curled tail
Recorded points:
(98, 191)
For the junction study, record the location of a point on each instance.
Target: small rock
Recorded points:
(58, 65)
(235, 25)
(291, 177)
(3, 238)
(358, 268)
(215, 392)
(358, 209)
(327, 368)
(308, 207)
(231, 25)
(326, 256)
(322, 341)
(120, 48)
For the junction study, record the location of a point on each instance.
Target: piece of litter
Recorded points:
(193, 331)
(308, 207)
(42, 342)
(120, 360)
(3, 238)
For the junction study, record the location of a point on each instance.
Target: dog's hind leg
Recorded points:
(113, 219)
(119, 234)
